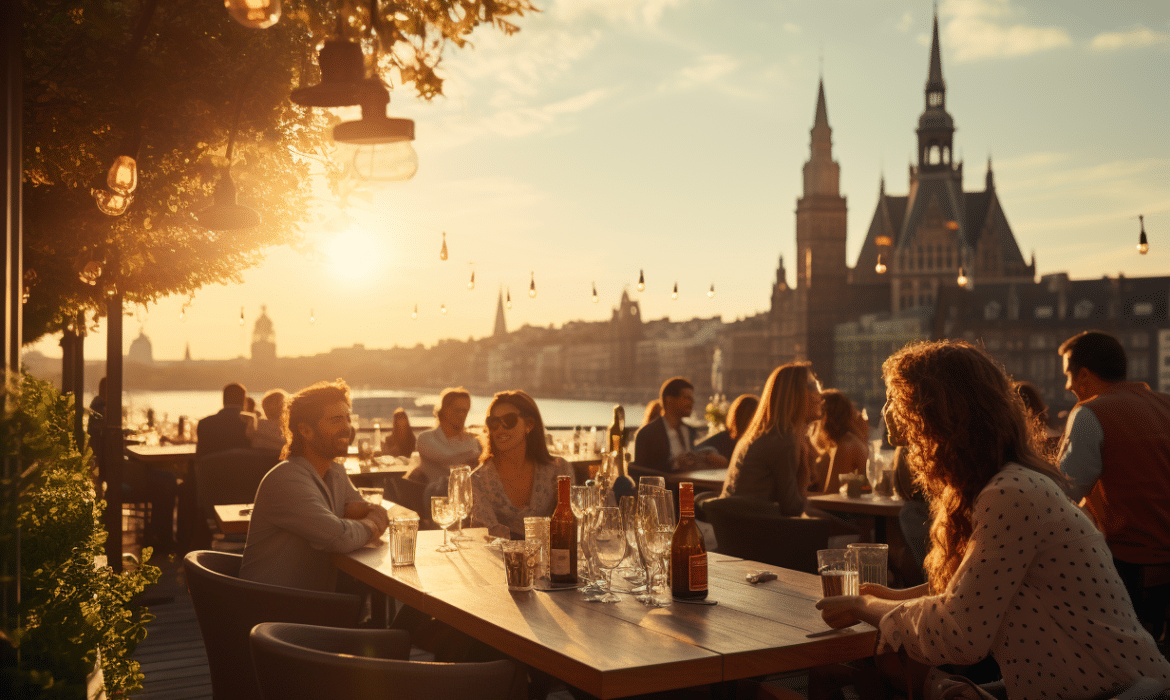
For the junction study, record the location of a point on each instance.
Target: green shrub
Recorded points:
(69, 609)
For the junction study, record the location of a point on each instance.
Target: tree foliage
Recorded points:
(169, 76)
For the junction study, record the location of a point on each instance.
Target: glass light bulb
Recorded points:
(641, 281)
(443, 250)
(385, 162)
(880, 268)
(312, 317)
(442, 308)
(962, 278)
(254, 14)
(711, 292)
(91, 272)
(471, 282)
(182, 314)
(241, 315)
(532, 286)
(508, 300)
(674, 293)
(111, 203)
(595, 297)
(414, 314)
(123, 175)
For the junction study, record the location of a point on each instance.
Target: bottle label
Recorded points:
(698, 572)
(559, 563)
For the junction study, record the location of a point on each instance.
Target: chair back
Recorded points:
(299, 662)
(231, 476)
(228, 607)
(755, 530)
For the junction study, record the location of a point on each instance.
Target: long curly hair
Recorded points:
(963, 421)
(840, 418)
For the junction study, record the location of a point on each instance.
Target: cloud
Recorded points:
(645, 13)
(791, 28)
(1136, 38)
(709, 69)
(981, 29)
(904, 24)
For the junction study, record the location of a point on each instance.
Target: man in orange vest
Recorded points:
(1116, 453)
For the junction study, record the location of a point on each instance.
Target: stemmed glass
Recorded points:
(444, 512)
(655, 532)
(636, 568)
(610, 545)
(580, 499)
(459, 490)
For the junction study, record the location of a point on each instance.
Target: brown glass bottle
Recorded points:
(688, 555)
(563, 537)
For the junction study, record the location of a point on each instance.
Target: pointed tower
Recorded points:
(821, 212)
(501, 328)
(936, 128)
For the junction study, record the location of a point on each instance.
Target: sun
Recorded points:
(355, 253)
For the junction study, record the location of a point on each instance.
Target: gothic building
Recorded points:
(937, 236)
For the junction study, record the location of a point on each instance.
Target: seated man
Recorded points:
(226, 429)
(666, 443)
(306, 508)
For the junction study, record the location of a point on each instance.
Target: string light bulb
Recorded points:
(123, 175)
(962, 277)
(414, 314)
(254, 14)
(241, 315)
(674, 292)
(91, 273)
(508, 298)
(471, 282)
(532, 285)
(880, 268)
(595, 297)
(641, 281)
(1143, 245)
(312, 317)
(443, 250)
(442, 308)
(711, 291)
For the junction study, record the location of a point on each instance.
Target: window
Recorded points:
(934, 99)
(883, 240)
(1037, 341)
(933, 157)
(1143, 308)
(1140, 340)
(1139, 367)
(991, 311)
(1083, 309)
(1043, 312)
(991, 343)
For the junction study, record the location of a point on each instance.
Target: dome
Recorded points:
(934, 118)
(141, 350)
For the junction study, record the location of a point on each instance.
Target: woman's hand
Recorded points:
(841, 611)
(884, 593)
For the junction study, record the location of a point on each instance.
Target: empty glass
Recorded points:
(403, 537)
(632, 568)
(655, 533)
(869, 561)
(610, 546)
(651, 481)
(444, 513)
(537, 530)
(459, 489)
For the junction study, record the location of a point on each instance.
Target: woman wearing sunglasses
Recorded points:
(518, 476)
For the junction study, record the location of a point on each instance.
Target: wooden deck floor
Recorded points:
(172, 655)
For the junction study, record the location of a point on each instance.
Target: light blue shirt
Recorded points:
(1080, 452)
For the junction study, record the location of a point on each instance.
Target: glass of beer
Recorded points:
(520, 559)
(838, 573)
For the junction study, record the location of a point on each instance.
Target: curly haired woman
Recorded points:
(1016, 571)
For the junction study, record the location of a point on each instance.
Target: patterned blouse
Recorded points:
(1037, 590)
(491, 507)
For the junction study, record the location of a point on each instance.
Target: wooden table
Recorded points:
(236, 517)
(703, 479)
(886, 527)
(625, 648)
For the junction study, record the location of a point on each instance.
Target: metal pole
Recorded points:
(112, 445)
(13, 279)
(79, 382)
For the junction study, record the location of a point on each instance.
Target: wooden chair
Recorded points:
(228, 607)
(302, 662)
(756, 530)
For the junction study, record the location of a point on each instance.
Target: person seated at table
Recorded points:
(667, 444)
(264, 432)
(1037, 412)
(306, 508)
(180, 437)
(518, 477)
(653, 412)
(739, 415)
(448, 444)
(1016, 570)
(226, 429)
(401, 441)
(770, 462)
(841, 434)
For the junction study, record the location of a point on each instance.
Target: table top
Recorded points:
(624, 648)
(235, 517)
(703, 479)
(866, 504)
(162, 453)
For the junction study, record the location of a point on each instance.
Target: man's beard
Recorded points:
(329, 446)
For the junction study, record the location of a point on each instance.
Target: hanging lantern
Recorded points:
(442, 308)
(111, 203)
(1143, 245)
(880, 268)
(674, 294)
(532, 285)
(471, 282)
(595, 297)
(342, 69)
(312, 317)
(443, 250)
(225, 214)
(254, 14)
(962, 280)
(641, 281)
(508, 298)
(711, 291)
(182, 313)
(241, 315)
(123, 175)
(414, 314)
(91, 273)
(387, 154)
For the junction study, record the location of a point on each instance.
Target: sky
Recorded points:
(612, 136)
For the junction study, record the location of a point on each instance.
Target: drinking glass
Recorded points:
(579, 502)
(373, 496)
(869, 561)
(610, 546)
(634, 567)
(537, 530)
(459, 489)
(365, 450)
(520, 563)
(444, 512)
(403, 536)
(655, 532)
(652, 482)
(838, 577)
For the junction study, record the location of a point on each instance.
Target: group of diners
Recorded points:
(1042, 565)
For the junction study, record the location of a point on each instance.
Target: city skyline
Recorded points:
(667, 135)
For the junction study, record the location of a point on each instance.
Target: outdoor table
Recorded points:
(621, 649)
(883, 510)
(703, 479)
(236, 517)
(179, 460)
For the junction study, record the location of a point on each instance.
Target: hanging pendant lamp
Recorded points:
(225, 214)
(443, 250)
(532, 285)
(1143, 245)
(641, 281)
(342, 70)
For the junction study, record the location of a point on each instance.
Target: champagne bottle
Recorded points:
(618, 427)
(563, 536)
(688, 555)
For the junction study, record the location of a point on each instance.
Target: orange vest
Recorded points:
(1131, 500)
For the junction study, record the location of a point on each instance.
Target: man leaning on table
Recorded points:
(306, 508)
(666, 444)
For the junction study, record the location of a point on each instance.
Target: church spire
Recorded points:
(821, 174)
(501, 328)
(934, 79)
(936, 128)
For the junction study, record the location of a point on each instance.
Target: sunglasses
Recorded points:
(506, 421)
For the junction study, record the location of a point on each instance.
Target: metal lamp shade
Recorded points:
(225, 214)
(342, 70)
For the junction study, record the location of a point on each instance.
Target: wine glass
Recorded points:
(651, 482)
(636, 567)
(579, 501)
(609, 543)
(459, 489)
(444, 512)
(654, 518)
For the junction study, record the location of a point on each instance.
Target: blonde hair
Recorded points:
(783, 402)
